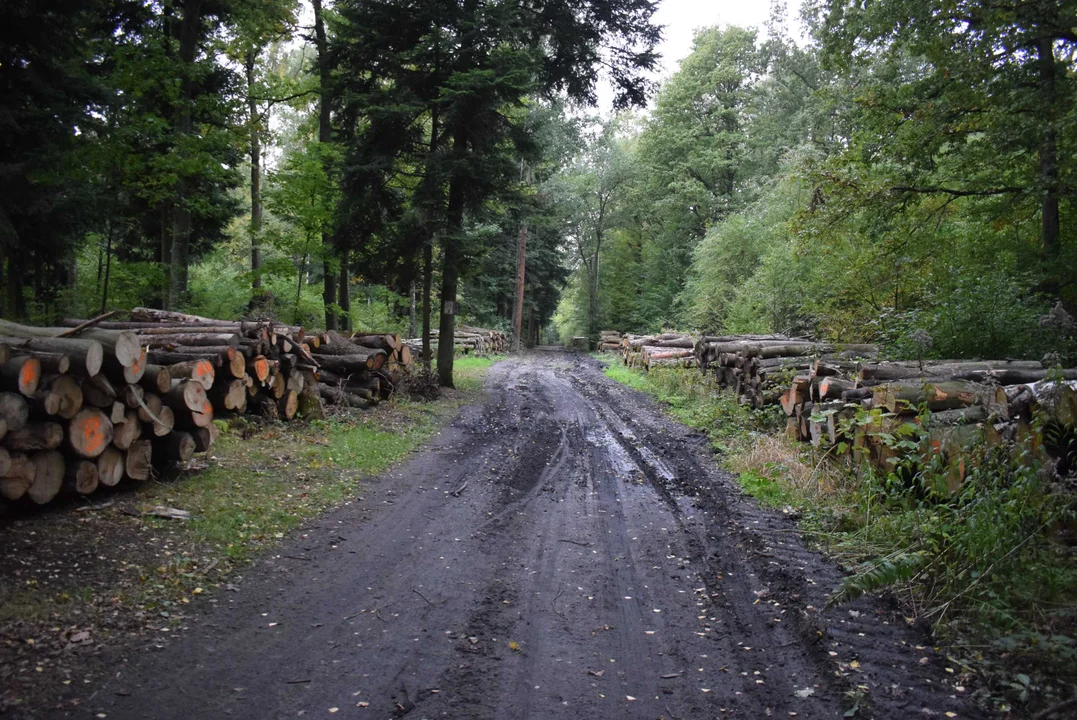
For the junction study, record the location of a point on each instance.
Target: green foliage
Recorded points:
(879, 575)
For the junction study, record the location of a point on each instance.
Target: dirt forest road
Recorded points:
(561, 551)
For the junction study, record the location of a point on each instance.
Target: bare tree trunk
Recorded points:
(1049, 170)
(190, 32)
(344, 290)
(256, 177)
(325, 135)
(108, 268)
(428, 248)
(521, 270)
(450, 243)
(411, 310)
(165, 252)
(428, 283)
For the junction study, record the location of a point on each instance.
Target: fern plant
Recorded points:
(879, 574)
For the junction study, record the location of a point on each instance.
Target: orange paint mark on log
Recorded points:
(203, 369)
(94, 432)
(28, 373)
(207, 408)
(261, 368)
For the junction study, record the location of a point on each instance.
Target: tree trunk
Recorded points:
(108, 268)
(450, 265)
(428, 283)
(189, 35)
(430, 186)
(1049, 170)
(521, 271)
(256, 177)
(325, 135)
(411, 310)
(165, 251)
(344, 293)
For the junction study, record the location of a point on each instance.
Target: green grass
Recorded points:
(267, 480)
(694, 399)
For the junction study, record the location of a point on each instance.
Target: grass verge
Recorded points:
(985, 565)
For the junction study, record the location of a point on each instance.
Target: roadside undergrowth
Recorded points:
(87, 571)
(990, 567)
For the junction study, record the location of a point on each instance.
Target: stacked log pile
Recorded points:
(757, 368)
(94, 402)
(841, 396)
(669, 349)
(74, 412)
(467, 340)
(361, 370)
(609, 341)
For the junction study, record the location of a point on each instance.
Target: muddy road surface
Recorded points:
(561, 551)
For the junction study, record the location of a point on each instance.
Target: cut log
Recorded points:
(277, 385)
(152, 406)
(138, 461)
(831, 388)
(295, 382)
(1005, 372)
(905, 398)
(200, 371)
(130, 372)
(204, 437)
(35, 436)
(126, 432)
(186, 420)
(3, 430)
(193, 340)
(19, 476)
(98, 391)
(157, 379)
(288, 404)
(177, 446)
(21, 373)
(54, 363)
(164, 421)
(49, 470)
(338, 396)
(259, 368)
(85, 354)
(59, 395)
(369, 359)
(123, 344)
(185, 395)
(5, 461)
(110, 467)
(133, 396)
(118, 413)
(14, 410)
(236, 362)
(231, 395)
(81, 477)
(310, 399)
(90, 433)
(960, 416)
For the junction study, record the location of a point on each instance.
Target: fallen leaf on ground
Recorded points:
(806, 692)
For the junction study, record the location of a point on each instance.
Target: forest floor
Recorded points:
(561, 550)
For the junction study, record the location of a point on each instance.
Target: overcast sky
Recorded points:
(682, 18)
